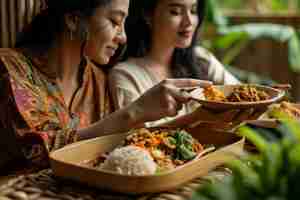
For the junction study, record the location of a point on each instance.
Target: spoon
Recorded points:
(205, 151)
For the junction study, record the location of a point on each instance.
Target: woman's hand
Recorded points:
(165, 99)
(207, 118)
(232, 116)
(227, 119)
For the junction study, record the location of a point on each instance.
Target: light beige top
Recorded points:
(128, 81)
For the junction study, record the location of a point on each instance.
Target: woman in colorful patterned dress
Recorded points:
(53, 94)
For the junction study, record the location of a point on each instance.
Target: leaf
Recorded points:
(275, 198)
(294, 158)
(246, 176)
(218, 190)
(294, 53)
(276, 32)
(293, 191)
(270, 134)
(200, 196)
(272, 166)
(214, 14)
(234, 52)
(292, 128)
(252, 136)
(230, 39)
(289, 127)
(278, 5)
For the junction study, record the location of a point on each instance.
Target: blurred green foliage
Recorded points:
(271, 174)
(260, 6)
(232, 39)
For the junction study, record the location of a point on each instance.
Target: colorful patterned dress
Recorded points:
(34, 117)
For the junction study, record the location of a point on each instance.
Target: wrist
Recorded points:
(135, 115)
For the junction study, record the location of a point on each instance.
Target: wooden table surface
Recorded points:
(44, 185)
(4, 179)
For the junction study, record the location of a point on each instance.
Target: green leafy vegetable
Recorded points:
(184, 145)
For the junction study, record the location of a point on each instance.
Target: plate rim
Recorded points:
(280, 95)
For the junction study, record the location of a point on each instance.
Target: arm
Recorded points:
(123, 87)
(27, 132)
(120, 121)
(9, 148)
(20, 147)
(162, 100)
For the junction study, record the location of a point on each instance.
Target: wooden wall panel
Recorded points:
(4, 23)
(267, 57)
(14, 15)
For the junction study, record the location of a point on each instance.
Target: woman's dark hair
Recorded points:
(184, 63)
(41, 32)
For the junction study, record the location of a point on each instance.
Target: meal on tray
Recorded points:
(290, 109)
(245, 93)
(145, 152)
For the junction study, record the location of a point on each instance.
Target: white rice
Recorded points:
(130, 160)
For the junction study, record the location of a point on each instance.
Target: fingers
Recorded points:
(172, 106)
(170, 91)
(248, 114)
(187, 82)
(174, 87)
(205, 114)
(174, 92)
(243, 115)
(228, 116)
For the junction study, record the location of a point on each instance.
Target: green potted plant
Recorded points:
(273, 174)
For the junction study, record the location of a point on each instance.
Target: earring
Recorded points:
(122, 51)
(148, 22)
(71, 35)
(87, 35)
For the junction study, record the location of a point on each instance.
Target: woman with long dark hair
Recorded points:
(162, 43)
(52, 93)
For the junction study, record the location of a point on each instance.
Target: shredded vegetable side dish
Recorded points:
(169, 149)
(145, 152)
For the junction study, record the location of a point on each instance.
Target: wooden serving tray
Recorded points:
(68, 163)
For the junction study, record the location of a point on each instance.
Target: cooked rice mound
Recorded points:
(130, 160)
